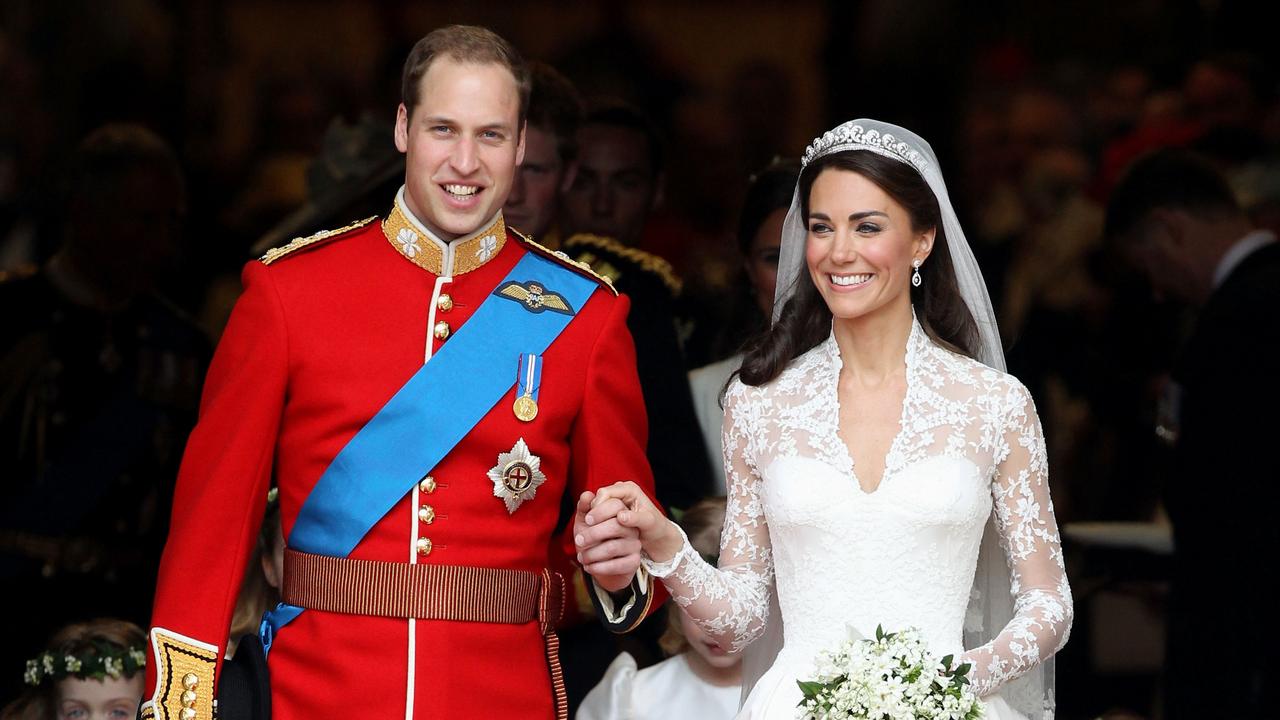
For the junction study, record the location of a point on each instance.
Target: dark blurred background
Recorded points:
(1033, 108)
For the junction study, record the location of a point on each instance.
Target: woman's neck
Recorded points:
(873, 346)
(708, 673)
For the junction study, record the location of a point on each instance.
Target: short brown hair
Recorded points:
(466, 44)
(555, 107)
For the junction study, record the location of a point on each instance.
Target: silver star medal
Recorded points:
(517, 476)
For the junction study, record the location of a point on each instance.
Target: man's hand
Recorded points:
(608, 551)
(623, 507)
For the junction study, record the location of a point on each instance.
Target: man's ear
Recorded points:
(402, 129)
(1169, 223)
(520, 144)
(659, 192)
(570, 174)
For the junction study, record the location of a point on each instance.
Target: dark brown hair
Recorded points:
(465, 44)
(555, 107)
(805, 320)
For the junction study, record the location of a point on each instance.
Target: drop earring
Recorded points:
(915, 276)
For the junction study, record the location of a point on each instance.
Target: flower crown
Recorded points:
(102, 660)
(850, 136)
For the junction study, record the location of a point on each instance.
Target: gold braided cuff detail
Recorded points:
(184, 677)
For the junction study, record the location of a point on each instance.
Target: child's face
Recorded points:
(107, 699)
(710, 651)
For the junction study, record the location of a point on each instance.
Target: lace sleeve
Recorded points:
(730, 603)
(1028, 535)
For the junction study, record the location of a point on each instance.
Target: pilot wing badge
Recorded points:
(534, 297)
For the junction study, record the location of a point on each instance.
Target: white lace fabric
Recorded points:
(969, 444)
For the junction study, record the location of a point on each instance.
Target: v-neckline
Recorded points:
(846, 453)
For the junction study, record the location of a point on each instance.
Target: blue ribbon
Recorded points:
(426, 418)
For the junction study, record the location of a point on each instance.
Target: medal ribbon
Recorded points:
(529, 376)
(427, 418)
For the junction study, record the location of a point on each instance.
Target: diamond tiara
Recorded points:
(853, 137)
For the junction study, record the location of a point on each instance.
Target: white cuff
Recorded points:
(663, 569)
(614, 615)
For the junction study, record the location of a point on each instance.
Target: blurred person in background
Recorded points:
(759, 236)
(1174, 217)
(87, 670)
(618, 184)
(99, 381)
(550, 156)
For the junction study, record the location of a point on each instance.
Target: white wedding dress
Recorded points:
(904, 555)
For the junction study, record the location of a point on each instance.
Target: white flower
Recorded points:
(408, 240)
(488, 245)
(73, 663)
(139, 657)
(112, 667)
(46, 661)
(32, 674)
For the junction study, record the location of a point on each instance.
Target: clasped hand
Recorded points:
(613, 525)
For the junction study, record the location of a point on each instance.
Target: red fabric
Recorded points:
(320, 340)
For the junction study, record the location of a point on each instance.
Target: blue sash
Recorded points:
(428, 416)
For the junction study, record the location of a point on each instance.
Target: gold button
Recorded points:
(428, 485)
(190, 681)
(189, 698)
(188, 714)
(427, 514)
(442, 330)
(444, 302)
(424, 546)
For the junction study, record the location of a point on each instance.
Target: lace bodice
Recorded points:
(969, 442)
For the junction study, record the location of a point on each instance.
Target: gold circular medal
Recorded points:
(526, 408)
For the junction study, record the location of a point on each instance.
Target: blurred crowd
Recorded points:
(147, 152)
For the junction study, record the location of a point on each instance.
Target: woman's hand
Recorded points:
(623, 505)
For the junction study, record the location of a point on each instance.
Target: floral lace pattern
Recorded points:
(969, 449)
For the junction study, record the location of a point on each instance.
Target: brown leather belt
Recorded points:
(431, 592)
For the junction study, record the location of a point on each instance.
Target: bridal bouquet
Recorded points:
(893, 677)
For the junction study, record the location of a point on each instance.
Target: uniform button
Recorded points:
(187, 713)
(190, 681)
(189, 697)
(444, 303)
(424, 546)
(427, 514)
(442, 330)
(427, 485)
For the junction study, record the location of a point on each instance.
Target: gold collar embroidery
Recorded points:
(462, 255)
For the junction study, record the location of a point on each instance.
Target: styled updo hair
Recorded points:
(805, 321)
(702, 523)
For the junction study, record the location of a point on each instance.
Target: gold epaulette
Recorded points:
(563, 259)
(295, 244)
(184, 677)
(645, 260)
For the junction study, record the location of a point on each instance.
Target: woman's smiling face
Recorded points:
(860, 245)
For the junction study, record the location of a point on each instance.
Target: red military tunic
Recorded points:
(328, 329)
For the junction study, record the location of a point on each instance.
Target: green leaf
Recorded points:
(963, 669)
(879, 632)
(810, 689)
(946, 661)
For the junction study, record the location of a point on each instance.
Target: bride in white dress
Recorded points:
(883, 469)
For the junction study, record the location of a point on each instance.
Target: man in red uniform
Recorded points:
(425, 389)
